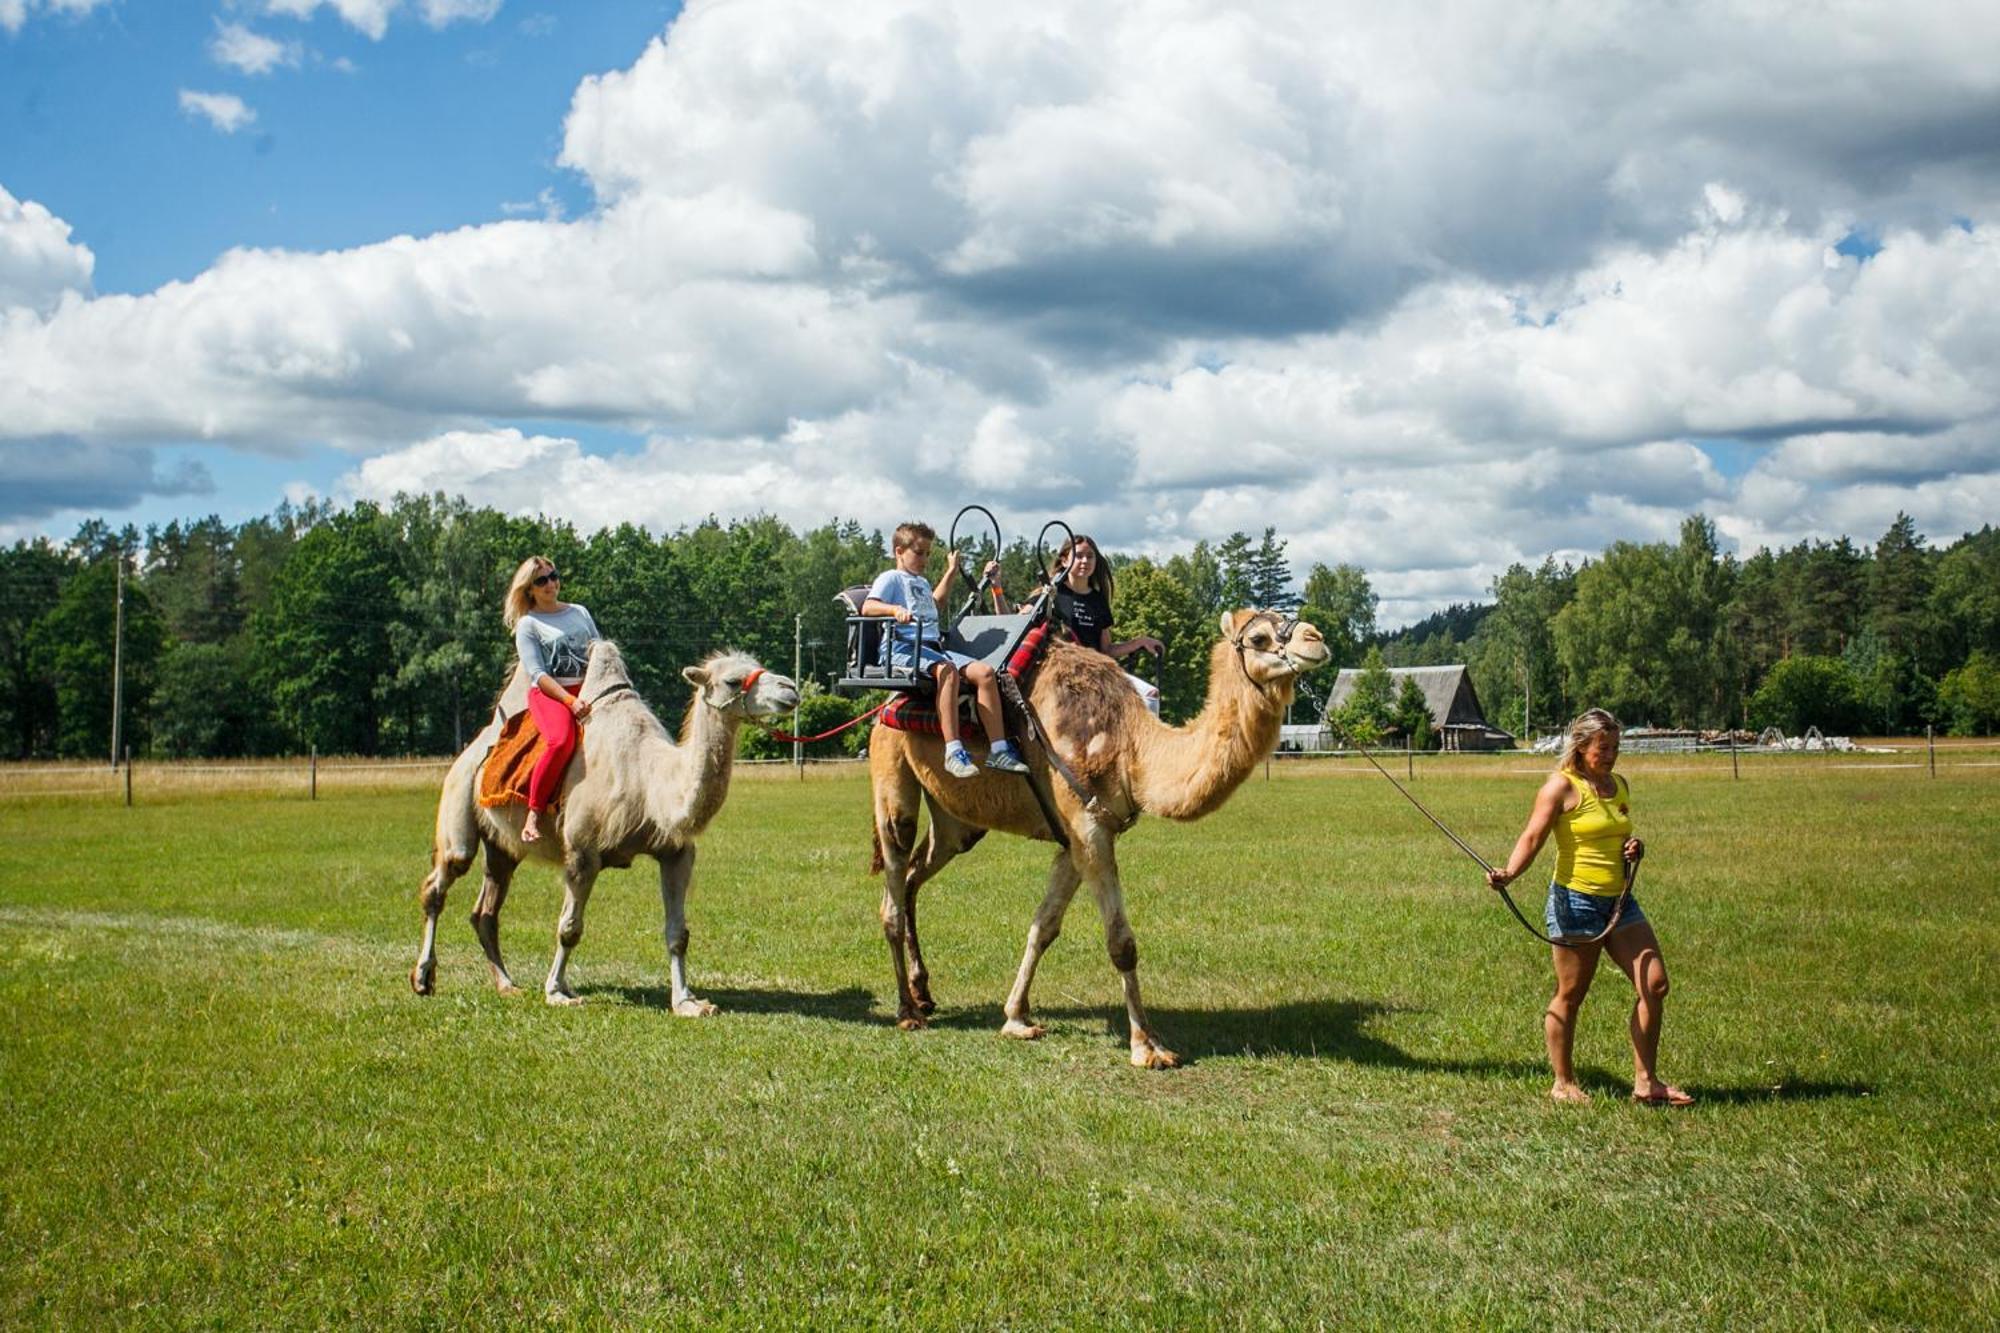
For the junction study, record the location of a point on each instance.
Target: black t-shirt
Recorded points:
(1088, 614)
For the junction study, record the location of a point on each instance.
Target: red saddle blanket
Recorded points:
(917, 712)
(503, 778)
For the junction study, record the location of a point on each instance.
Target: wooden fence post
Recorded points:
(1930, 743)
(313, 778)
(128, 776)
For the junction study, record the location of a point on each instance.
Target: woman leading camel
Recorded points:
(553, 638)
(1590, 809)
(1083, 603)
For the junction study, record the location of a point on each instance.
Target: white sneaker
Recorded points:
(958, 763)
(1005, 759)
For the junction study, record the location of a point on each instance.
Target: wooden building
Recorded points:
(1456, 717)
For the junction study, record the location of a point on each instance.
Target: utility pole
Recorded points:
(118, 665)
(1528, 702)
(798, 747)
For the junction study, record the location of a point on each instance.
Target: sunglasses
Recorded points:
(543, 580)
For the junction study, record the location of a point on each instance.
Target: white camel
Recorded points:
(630, 791)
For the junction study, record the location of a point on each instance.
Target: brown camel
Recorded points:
(630, 791)
(1129, 762)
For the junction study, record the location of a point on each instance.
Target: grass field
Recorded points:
(221, 1106)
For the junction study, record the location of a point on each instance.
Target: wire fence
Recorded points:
(308, 777)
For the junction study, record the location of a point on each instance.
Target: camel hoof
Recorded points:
(421, 981)
(562, 999)
(1150, 1056)
(508, 989)
(693, 1008)
(1021, 1031)
(911, 1022)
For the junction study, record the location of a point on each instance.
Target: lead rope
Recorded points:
(1631, 867)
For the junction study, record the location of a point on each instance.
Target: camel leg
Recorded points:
(948, 838)
(1042, 932)
(1123, 946)
(896, 828)
(486, 914)
(446, 867)
(579, 874)
(676, 870)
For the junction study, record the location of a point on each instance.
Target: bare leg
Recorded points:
(579, 874)
(986, 698)
(1574, 970)
(445, 869)
(676, 870)
(486, 914)
(1636, 950)
(947, 702)
(1042, 932)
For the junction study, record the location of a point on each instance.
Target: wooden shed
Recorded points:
(1456, 717)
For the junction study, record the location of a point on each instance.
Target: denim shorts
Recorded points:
(1575, 915)
(900, 656)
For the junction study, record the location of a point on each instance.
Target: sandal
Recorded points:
(1664, 1094)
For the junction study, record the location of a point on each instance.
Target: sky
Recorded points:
(1432, 289)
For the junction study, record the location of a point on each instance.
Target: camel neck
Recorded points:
(700, 765)
(1187, 772)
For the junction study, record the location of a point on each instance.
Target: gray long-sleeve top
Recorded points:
(555, 643)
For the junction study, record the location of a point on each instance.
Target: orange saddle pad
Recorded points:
(503, 778)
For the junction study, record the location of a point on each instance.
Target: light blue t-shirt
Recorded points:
(914, 591)
(555, 643)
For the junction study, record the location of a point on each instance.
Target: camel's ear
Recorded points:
(694, 676)
(1230, 621)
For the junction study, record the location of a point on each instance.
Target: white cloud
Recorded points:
(371, 17)
(15, 13)
(1428, 296)
(225, 111)
(438, 13)
(39, 264)
(250, 52)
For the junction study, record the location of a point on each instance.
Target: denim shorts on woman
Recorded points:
(1574, 915)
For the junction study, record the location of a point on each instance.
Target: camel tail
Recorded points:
(875, 861)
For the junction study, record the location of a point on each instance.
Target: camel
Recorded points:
(630, 791)
(1129, 762)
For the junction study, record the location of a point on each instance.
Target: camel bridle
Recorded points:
(743, 688)
(1283, 627)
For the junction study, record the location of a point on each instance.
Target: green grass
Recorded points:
(220, 1104)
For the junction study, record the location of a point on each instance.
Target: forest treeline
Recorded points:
(375, 630)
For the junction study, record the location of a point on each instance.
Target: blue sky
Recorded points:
(1431, 290)
(355, 139)
(424, 130)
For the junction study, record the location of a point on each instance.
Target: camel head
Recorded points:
(1273, 647)
(735, 685)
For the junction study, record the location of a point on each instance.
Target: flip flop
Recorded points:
(1664, 1095)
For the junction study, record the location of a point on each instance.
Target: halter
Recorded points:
(1282, 626)
(743, 688)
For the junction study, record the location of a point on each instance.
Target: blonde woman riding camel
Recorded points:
(553, 638)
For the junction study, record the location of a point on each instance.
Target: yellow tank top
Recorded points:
(1590, 840)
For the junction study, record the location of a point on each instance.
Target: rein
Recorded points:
(611, 689)
(854, 721)
(1561, 942)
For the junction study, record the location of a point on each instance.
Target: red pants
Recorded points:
(558, 727)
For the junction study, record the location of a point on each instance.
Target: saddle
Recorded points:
(503, 777)
(918, 713)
